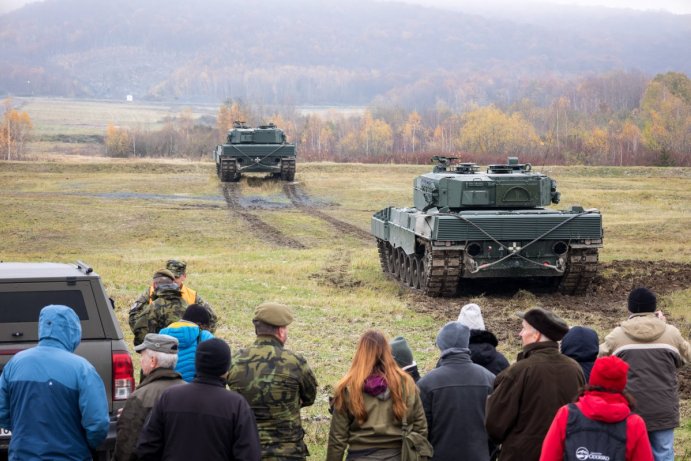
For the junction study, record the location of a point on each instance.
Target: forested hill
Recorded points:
(321, 52)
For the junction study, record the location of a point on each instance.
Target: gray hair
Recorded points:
(163, 359)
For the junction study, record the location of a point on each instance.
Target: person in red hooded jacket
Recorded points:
(600, 425)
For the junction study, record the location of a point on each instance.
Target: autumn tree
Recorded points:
(489, 130)
(666, 115)
(14, 132)
(118, 141)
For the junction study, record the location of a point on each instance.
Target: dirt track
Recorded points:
(295, 197)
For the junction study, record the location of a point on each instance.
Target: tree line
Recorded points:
(616, 119)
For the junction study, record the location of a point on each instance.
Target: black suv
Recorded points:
(25, 288)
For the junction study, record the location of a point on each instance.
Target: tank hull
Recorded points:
(438, 252)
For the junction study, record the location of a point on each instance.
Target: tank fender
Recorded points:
(402, 237)
(423, 225)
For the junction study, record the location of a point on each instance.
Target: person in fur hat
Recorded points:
(601, 421)
(528, 393)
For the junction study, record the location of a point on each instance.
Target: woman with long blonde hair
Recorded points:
(370, 403)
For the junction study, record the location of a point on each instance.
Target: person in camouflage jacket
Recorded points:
(276, 382)
(166, 307)
(177, 271)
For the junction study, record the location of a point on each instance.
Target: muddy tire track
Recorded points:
(301, 200)
(266, 232)
(336, 272)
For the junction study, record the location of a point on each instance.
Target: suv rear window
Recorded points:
(21, 303)
(24, 306)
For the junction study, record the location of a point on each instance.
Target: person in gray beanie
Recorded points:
(404, 357)
(654, 351)
(453, 396)
(218, 421)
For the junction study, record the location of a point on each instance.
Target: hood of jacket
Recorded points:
(483, 346)
(59, 326)
(604, 406)
(644, 327)
(376, 386)
(580, 344)
(185, 332)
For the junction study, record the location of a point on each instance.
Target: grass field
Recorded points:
(125, 218)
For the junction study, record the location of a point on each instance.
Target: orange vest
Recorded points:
(188, 294)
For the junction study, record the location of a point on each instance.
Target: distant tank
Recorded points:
(255, 150)
(468, 225)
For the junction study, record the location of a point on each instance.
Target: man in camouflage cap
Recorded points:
(166, 306)
(276, 382)
(179, 270)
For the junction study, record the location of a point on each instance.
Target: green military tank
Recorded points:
(263, 149)
(468, 225)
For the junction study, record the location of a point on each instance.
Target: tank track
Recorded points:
(228, 171)
(437, 273)
(442, 271)
(288, 169)
(581, 270)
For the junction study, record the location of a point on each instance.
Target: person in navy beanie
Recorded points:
(582, 345)
(218, 421)
(654, 351)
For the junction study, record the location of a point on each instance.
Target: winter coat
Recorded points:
(380, 430)
(201, 420)
(453, 397)
(607, 408)
(654, 351)
(483, 351)
(138, 407)
(53, 400)
(581, 344)
(189, 295)
(188, 335)
(526, 397)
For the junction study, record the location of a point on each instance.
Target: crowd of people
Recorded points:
(566, 397)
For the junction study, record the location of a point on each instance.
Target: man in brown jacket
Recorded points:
(654, 350)
(159, 354)
(528, 394)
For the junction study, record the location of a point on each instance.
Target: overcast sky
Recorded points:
(673, 6)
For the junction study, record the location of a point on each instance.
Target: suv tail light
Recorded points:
(123, 375)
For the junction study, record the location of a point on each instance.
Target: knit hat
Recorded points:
(176, 267)
(546, 322)
(609, 373)
(197, 314)
(278, 315)
(212, 357)
(401, 352)
(642, 300)
(453, 335)
(471, 317)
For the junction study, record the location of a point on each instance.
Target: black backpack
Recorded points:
(588, 440)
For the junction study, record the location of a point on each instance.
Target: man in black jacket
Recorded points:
(453, 396)
(202, 420)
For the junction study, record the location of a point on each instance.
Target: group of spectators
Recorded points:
(557, 401)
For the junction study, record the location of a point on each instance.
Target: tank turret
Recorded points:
(463, 186)
(467, 224)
